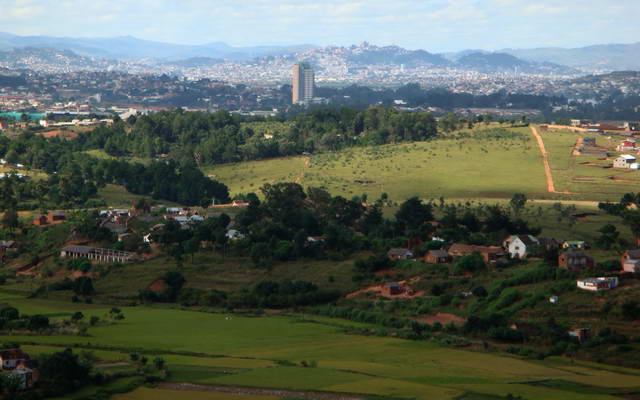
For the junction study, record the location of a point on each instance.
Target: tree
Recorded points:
(469, 263)
(518, 202)
(10, 219)
(413, 213)
(631, 310)
(38, 322)
(609, 237)
(632, 219)
(191, 247)
(159, 363)
(9, 313)
(10, 386)
(63, 371)
(83, 286)
(77, 316)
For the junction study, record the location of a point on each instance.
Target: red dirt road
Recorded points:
(545, 160)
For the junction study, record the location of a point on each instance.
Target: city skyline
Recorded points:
(435, 25)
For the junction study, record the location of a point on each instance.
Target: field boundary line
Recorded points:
(303, 394)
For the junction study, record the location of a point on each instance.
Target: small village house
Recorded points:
(399, 254)
(625, 161)
(40, 220)
(520, 246)
(631, 266)
(548, 243)
(575, 261)
(597, 284)
(630, 255)
(490, 254)
(627, 145)
(27, 376)
(392, 289)
(437, 257)
(575, 245)
(10, 358)
(582, 334)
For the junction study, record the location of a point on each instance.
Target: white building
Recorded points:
(598, 284)
(624, 161)
(520, 246)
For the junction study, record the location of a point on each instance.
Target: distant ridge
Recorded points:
(609, 57)
(128, 47)
(604, 57)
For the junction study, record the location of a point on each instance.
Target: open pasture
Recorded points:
(470, 165)
(266, 352)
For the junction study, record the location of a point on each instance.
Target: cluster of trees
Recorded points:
(628, 208)
(220, 138)
(11, 319)
(264, 294)
(75, 177)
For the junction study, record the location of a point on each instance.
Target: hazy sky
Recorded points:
(436, 25)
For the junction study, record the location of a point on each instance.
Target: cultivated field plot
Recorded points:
(471, 165)
(266, 352)
(585, 175)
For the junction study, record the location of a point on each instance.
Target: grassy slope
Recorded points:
(459, 168)
(452, 167)
(345, 363)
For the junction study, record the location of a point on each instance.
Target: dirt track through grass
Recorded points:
(545, 160)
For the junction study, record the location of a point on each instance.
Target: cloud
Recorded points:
(439, 25)
(543, 9)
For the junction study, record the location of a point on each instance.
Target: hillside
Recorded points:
(598, 57)
(484, 163)
(503, 62)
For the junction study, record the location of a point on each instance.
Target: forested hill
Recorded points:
(221, 138)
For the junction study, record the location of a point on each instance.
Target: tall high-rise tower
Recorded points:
(303, 84)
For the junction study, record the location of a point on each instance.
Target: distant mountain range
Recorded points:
(366, 54)
(608, 57)
(128, 47)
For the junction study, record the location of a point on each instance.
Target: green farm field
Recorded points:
(266, 352)
(465, 165)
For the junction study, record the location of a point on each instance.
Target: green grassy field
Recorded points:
(460, 167)
(251, 351)
(583, 174)
(471, 165)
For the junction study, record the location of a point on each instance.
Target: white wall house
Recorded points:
(520, 246)
(624, 161)
(598, 284)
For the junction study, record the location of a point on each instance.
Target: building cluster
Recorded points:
(572, 256)
(17, 364)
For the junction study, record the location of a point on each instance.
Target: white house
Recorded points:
(520, 246)
(624, 161)
(233, 234)
(598, 284)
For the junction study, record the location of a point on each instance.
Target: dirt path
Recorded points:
(261, 391)
(545, 159)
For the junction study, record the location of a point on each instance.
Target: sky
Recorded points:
(435, 25)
